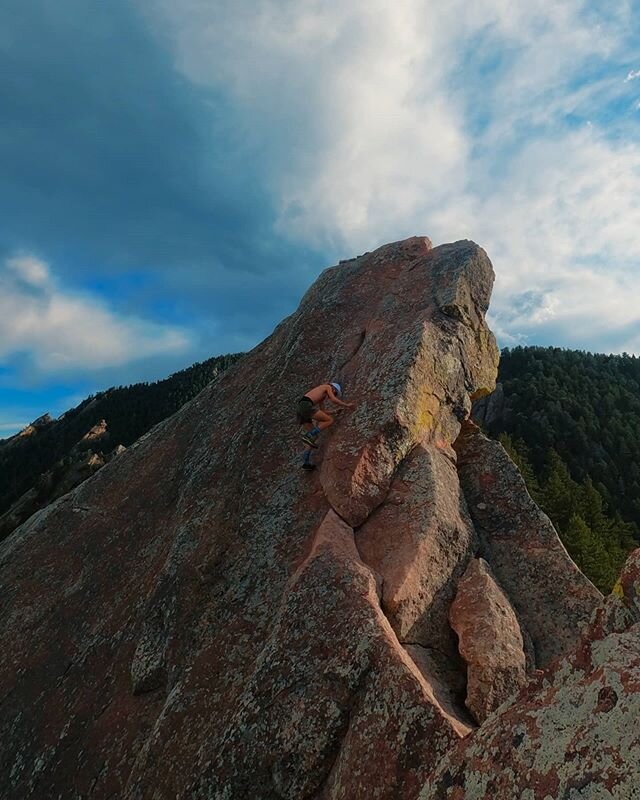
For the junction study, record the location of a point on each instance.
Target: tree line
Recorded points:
(571, 422)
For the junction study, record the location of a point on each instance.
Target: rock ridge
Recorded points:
(202, 619)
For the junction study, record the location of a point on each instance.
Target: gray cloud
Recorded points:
(112, 162)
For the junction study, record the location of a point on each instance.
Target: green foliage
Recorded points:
(571, 423)
(130, 411)
(584, 406)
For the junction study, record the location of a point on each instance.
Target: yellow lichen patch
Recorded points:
(482, 392)
(425, 413)
(618, 590)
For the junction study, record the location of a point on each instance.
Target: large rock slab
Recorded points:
(151, 612)
(552, 598)
(324, 709)
(419, 541)
(416, 351)
(490, 640)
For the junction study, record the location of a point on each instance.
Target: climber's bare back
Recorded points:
(319, 393)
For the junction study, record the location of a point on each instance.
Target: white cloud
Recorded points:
(382, 120)
(57, 330)
(29, 269)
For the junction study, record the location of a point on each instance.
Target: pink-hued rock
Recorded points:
(196, 620)
(490, 640)
(326, 708)
(552, 598)
(628, 586)
(572, 732)
(414, 354)
(419, 542)
(151, 617)
(621, 609)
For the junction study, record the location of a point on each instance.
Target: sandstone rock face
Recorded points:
(419, 542)
(414, 354)
(185, 619)
(490, 640)
(552, 598)
(83, 460)
(65, 476)
(571, 732)
(629, 585)
(203, 619)
(37, 425)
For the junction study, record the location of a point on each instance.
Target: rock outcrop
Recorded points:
(490, 408)
(571, 732)
(552, 598)
(203, 619)
(83, 460)
(42, 423)
(490, 640)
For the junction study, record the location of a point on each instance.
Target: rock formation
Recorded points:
(490, 408)
(83, 460)
(203, 619)
(42, 423)
(572, 731)
(490, 640)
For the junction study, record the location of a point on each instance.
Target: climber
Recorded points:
(313, 418)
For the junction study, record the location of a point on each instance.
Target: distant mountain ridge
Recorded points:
(51, 455)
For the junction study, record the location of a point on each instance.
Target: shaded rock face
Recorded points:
(489, 409)
(419, 543)
(490, 640)
(203, 619)
(550, 595)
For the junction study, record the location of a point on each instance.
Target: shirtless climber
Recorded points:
(313, 418)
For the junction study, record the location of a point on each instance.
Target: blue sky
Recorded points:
(176, 174)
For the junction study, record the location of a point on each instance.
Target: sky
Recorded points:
(176, 173)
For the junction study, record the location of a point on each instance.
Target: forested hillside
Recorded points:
(129, 411)
(571, 420)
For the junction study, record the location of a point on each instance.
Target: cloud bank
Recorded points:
(62, 331)
(509, 123)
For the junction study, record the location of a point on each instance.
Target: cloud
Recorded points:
(499, 121)
(54, 330)
(231, 150)
(29, 269)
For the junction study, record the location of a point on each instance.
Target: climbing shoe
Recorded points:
(308, 466)
(309, 439)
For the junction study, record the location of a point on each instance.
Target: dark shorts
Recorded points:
(304, 410)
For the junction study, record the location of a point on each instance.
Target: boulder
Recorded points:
(490, 640)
